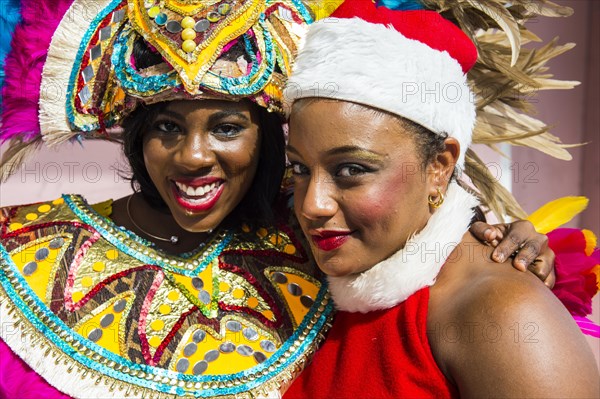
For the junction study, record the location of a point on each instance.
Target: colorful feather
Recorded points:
(10, 15)
(556, 213)
(403, 5)
(23, 68)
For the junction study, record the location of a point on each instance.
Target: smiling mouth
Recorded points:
(198, 197)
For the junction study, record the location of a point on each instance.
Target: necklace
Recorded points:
(173, 239)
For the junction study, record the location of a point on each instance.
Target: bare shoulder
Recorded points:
(500, 332)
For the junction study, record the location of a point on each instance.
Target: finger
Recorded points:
(484, 232)
(507, 247)
(527, 256)
(540, 268)
(550, 280)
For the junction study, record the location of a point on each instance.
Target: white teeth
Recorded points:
(198, 191)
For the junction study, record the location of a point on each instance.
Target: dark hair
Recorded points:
(257, 204)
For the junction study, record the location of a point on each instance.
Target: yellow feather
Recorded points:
(323, 8)
(556, 213)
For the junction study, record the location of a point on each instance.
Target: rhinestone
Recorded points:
(174, 27)
(268, 346)
(294, 289)
(198, 283)
(85, 94)
(105, 33)
(87, 73)
(174, 239)
(279, 278)
(306, 301)
(161, 18)
(182, 365)
(200, 367)
(224, 8)
(56, 243)
(42, 254)
(250, 334)
(118, 16)
(190, 349)
(211, 355)
(30, 268)
(213, 16)
(201, 26)
(233, 326)
(204, 297)
(259, 357)
(119, 306)
(199, 336)
(95, 335)
(245, 350)
(153, 11)
(107, 320)
(227, 347)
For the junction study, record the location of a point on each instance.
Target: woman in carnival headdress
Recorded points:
(421, 315)
(110, 309)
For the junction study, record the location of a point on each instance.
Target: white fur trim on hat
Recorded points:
(375, 65)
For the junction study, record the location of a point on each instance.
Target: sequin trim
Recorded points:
(126, 241)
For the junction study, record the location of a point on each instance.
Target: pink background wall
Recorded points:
(575, 115)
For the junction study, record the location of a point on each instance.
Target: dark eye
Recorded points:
(167, 127)
(351, 170)
(227, 130)
(298, 169)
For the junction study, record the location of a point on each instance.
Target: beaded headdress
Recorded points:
(72, 71)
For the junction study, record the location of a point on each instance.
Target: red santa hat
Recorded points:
(409, 63)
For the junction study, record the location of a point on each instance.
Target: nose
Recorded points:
(194, 153)
(318, 199)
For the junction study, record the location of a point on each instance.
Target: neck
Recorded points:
(137, 215)
(413, 267)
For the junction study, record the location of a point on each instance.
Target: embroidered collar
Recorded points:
(412, 268)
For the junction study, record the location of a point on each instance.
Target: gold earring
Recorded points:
(436, 203)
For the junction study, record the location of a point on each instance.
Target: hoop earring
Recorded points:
(436, 203)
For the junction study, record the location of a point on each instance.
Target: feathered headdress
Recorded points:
(504, 77)
(75, 69)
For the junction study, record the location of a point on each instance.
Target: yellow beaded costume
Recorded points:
(240, 315)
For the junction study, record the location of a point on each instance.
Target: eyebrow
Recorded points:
(346, 150)
(212, 119)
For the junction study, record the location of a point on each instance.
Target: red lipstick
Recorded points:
(197, 194)
(328, 240)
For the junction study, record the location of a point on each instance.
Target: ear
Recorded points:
(441, 169)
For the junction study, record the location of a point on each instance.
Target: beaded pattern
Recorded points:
(204, 326)
(193, 37)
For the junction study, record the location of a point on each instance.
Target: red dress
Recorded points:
(380, 354)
